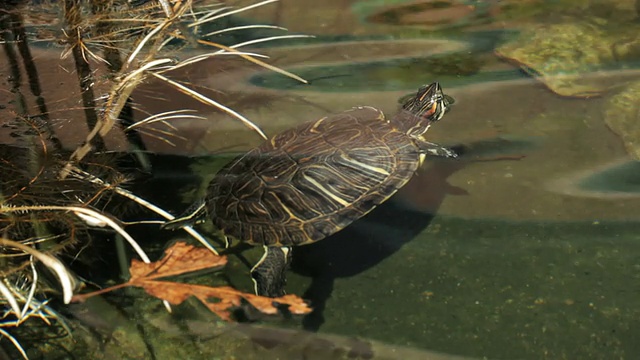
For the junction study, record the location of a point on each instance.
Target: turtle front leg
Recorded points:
(269, 274)
(429, 148)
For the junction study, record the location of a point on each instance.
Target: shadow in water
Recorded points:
(373, 238)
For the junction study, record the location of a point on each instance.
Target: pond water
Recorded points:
(525, 247)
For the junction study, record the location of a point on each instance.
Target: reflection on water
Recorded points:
(533, 256)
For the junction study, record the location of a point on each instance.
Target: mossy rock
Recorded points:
(622, 115)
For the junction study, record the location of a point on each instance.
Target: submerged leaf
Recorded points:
(182, 258)
(220, 299)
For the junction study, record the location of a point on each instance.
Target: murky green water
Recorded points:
(477, 287)
(527, 247)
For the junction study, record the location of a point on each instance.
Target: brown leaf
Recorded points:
(182, 258)
(227, 297)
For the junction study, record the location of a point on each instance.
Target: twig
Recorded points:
(205, 100)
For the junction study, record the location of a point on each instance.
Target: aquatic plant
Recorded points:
(53, 198)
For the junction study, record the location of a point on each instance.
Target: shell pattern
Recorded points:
(313, 180)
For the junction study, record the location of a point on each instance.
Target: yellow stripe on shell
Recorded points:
(326, 191)
(369, 167)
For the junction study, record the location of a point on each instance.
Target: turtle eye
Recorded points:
(428, 106)
(429, 110)
(438, 108)
(434, 108)
(429, 103)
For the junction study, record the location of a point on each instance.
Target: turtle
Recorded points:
(309, 182)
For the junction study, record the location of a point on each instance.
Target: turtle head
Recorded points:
(419, 112)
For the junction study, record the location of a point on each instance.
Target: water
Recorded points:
(526, 247)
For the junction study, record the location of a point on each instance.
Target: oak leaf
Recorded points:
(182, 258)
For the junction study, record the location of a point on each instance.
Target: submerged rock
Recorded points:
(571, 56)
(622, 115)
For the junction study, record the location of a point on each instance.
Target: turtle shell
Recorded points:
(313, 180)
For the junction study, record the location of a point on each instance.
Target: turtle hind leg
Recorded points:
(269, 274)
(194, 214)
